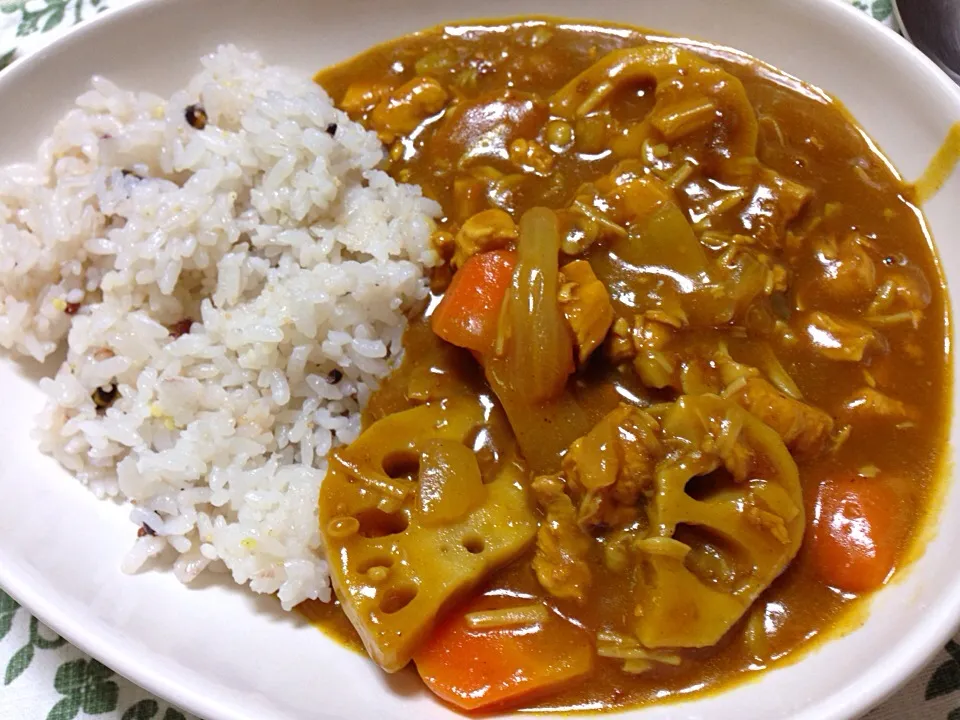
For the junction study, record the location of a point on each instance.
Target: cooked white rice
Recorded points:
(291, 253)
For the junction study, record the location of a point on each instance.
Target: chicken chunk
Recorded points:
(645, 341)
(362, 96)
(402, 110)
(870, 403)
(531, 156)
(839, 339)
(562, 546)
(487, 230)
(619, 346)
(610, 468)
(586, 305)
(849, 271)
(775, 202)
(631, 195)
(901, 298)
(656, 367)
(804, 429)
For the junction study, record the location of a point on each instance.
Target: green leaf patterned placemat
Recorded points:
(46, 678)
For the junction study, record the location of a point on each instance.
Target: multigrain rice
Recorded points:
(230, 292)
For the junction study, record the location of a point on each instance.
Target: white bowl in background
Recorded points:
(224, 654)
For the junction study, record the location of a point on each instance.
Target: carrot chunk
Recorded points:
(470, 310)
(857, 532)
(493, 668)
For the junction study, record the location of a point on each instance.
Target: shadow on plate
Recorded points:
(405, 684)
(221, 580)
(34, 371)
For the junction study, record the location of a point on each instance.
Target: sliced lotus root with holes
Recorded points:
(409, 525)
(755, 515)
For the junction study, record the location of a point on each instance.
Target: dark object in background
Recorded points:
(934, 27)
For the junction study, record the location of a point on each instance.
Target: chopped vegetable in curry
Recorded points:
(681, 397)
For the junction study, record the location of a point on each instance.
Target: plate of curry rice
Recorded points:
(376, 361)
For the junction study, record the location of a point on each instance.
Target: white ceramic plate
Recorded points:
(222, 653)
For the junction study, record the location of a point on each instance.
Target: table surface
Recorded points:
(44, 677)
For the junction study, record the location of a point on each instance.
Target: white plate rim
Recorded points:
(868, 690)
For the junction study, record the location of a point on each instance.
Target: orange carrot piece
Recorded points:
(494, 668)
(857, 532)
(468, 314)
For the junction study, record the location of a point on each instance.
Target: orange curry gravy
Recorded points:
(501, 75)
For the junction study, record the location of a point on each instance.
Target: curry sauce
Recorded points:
(756, 262)
(941, 166)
